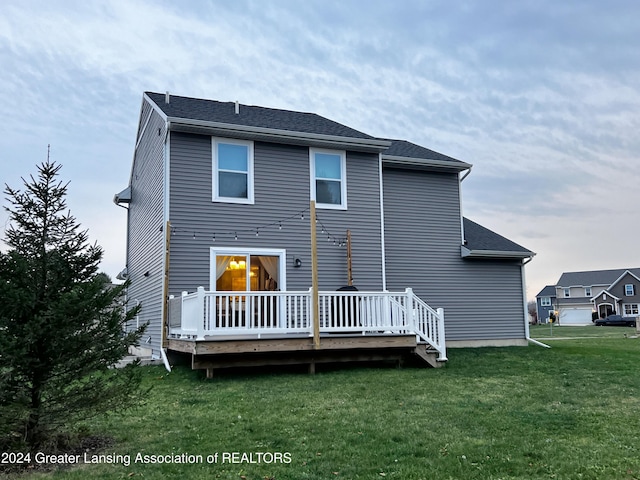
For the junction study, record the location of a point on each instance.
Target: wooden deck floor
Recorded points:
(229, 352)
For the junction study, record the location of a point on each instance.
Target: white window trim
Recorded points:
(566, 292)
(239, 251)
(214, 180)
(630, 305)
(343, 180)
(633, 290)
(587, 292)
(545, 302)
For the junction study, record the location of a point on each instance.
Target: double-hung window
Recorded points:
(232, 171)
(545, 302)
(329, 178)
(629, 290)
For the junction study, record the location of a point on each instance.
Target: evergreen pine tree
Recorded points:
(61, 323)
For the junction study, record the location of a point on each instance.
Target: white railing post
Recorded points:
(171, 297)
(441, 343)
(183, 320)
(200, 310)
(411, 320)
(309, 314)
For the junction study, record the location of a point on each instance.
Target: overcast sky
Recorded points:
(542, 97)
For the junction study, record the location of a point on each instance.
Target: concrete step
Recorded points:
(144, 360)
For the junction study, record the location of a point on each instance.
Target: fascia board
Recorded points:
(158, 110)
(457, 166)
(155, 106)
(277, 134)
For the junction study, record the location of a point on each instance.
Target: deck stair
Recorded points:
(427, 354)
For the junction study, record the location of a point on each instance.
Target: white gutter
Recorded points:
(526, 310)
(382, 243)
(427, 162)
(231, 129)
(468, 172)
(465, 252)
(462, 236)
(536, 342)
(177, 122)
(165, 360)
(166, 179)
(460, 179)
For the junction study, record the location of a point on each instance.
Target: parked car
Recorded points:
(616, 321)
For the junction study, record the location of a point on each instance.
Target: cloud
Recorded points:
(542, 97)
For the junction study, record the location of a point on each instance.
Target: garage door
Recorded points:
(575, 316)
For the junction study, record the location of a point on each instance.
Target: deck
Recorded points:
(245, 329)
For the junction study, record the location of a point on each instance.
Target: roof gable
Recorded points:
(626, 273)
(596, 297)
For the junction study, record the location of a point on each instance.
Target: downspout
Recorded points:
(167, 234)
(526, 310)
(460, 180)
(382, 243)
(466, 174)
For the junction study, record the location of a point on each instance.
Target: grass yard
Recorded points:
(563, 331)
(569, 412)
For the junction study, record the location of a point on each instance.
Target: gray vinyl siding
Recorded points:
(282, 186)
(146, 240)
(618, 290)
(482, 299)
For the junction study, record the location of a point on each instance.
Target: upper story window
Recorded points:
(545, 302)
(232, 171)
(328, 178)
(567, 292)
(587, 291)
(629, 290)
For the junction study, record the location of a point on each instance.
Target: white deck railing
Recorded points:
(205, 314)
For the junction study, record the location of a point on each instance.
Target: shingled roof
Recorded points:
(594, 277)
(402, 148)
(188, 108)
(548, 291)
(401, 152)
(482, 242)
(215, 114)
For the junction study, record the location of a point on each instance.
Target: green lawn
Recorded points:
(563, 331)
(569, 412)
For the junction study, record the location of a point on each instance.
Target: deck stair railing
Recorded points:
(204, 314)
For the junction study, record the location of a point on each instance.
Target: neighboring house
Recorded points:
(219, 197)
(585, 295)
(546, 303)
